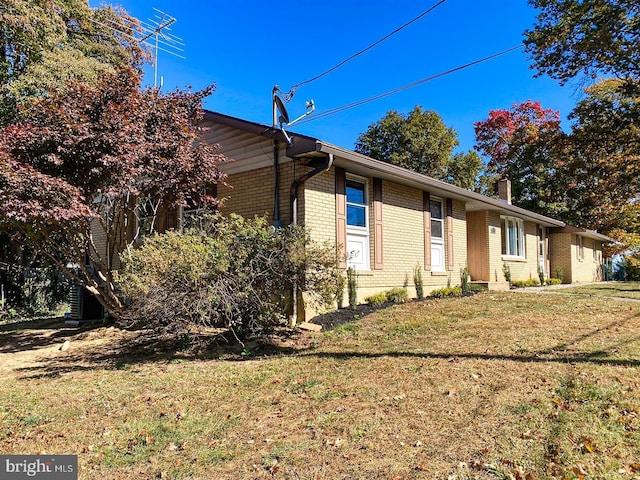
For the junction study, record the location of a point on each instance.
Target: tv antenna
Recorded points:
(278, 105)
(158, 29)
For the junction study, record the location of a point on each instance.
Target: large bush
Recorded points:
(228, 272)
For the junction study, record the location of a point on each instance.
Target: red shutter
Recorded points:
(341, 215)
(378, 258)
(426, 213)
(449, 245)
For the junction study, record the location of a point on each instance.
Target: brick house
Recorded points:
(388, 219)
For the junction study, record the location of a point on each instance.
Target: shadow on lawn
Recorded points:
(126, 350)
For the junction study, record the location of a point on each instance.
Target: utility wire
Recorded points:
(333, 111)
(326, 72)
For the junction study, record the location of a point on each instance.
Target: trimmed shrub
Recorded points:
(532, 282)
(377, 299)
(464, 279)
(506, 271)
(397, 295)
(559, 274)
(554, 281)
(447, 292)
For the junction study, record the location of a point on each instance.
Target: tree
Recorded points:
(465, 170)
(419, 141)
(45, 44)
(585, 37)
(526, 145)
(605, 155)
(77, 165)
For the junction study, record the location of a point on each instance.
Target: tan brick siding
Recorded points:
(564, 254)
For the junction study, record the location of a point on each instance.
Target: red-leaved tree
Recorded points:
(526, 145)
(73, 172)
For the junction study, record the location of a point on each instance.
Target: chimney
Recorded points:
(504, 190)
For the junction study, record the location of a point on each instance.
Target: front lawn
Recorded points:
(494, 386)
(611, 289)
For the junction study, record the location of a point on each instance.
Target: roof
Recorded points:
(583, 232)
(308, 147)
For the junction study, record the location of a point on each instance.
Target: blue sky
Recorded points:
(247, 47)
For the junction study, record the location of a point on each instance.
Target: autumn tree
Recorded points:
(83, 158)
(605, 160)
(525, 145)
(575, 38)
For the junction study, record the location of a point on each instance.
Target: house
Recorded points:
(389, 220)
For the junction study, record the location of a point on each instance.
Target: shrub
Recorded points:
(377, 299)
(417, 281)
(464, 279)
(397, 295)
(229, 272)
(541, 275)
(506, 271)
(532, 282)
(447, 292)
(352, 287)
(559, 274)
(554, 281)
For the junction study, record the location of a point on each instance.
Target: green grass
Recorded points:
(611, 289)
(494, 386)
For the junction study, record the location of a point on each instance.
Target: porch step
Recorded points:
(495, 286)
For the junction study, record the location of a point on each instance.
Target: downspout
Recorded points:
(276, 174)
(323, 166)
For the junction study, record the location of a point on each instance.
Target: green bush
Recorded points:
(554, 281)
(532, 282)
(397, 295)
(230, 272)
(559, 274)
(417, 281)
(464, 279)
(377, 299)
(447, 292)
(506, 271)
(352, 287)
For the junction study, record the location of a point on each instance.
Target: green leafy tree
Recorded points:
(572, 38)
(419, 141)
(45, 44)
(465, 170)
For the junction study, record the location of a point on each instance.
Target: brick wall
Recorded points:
(564, 254)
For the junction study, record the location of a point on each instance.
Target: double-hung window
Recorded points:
(512, 237)
(357, 225)
(437, 235)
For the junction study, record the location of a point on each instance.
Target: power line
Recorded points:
(333, 111)
(326, 72)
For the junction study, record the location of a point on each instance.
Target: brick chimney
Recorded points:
(504, 190)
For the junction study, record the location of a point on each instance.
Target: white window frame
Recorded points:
(520, 243)
(579, 247)
(358, 258)
(438, 243)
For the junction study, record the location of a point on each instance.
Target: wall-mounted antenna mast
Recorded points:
(278, 106)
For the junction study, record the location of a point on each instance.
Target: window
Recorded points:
(437, 235)
(356, 205)
(357, 225)
(512, 237)
(146, 211)
(580, 248)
